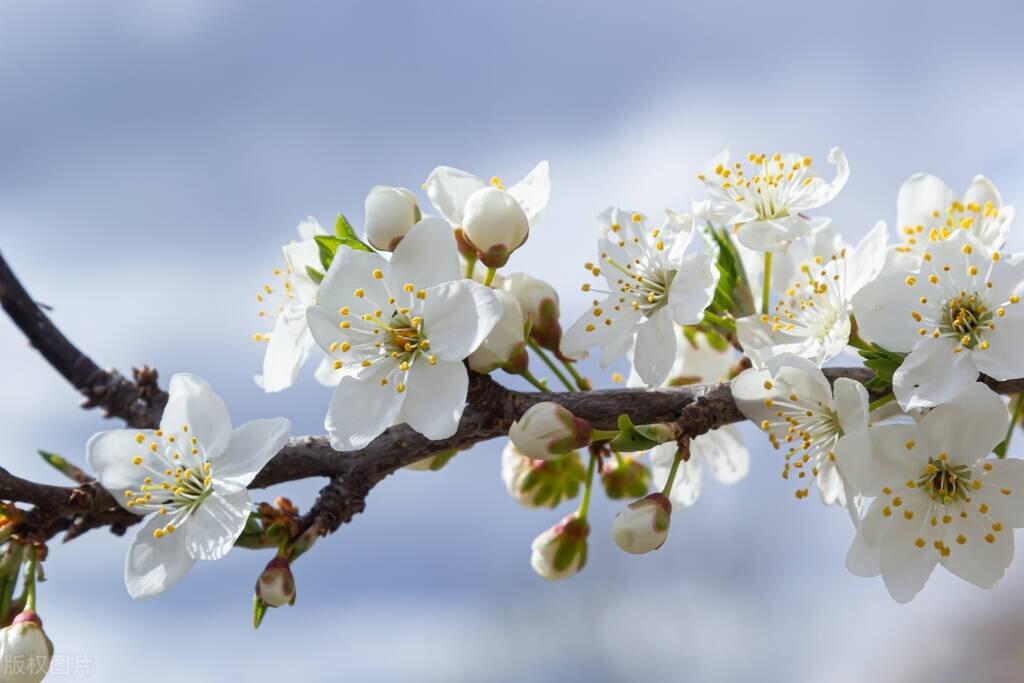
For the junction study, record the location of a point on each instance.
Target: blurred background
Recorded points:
(153, 157)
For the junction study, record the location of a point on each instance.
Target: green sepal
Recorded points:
(314, 274)
(259, 610)
(732, 295)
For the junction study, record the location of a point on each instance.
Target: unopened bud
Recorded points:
(539, 303)
(495, 224)
(276, 585)
(505, 346)
(561, 551)
(390, 214)
(643, 525)
(625, 478)
(25, 651)
(548, 430)
(541, 483)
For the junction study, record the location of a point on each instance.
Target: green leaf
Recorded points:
(630, 440)
(732, 295)
(345, 236)
(344, 229)
(884, 363)
(314, 274)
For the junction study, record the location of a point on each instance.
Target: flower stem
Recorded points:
(766, 292)
(1002, 448)
(724, 323)
(582, 383)
(470, 267)
(879, 402)
(858, 343)
(672, 473)
(491, 272)
(551, 365)
(529, 377)
(585, 503)
(30, 580)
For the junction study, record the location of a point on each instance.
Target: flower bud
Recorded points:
(505, 346)
(495, 224)
(643, 525)
(539, 303)
(625, 478)
(276, 585)
(25, 651)
(561, 551)
(390, 214)
(548, 430)
(537, 483)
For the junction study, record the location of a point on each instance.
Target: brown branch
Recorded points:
(490, 411)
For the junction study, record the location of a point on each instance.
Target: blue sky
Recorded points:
(155, 155)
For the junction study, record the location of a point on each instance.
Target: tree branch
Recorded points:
(490, 411)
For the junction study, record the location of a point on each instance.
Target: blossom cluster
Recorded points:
(749, 287)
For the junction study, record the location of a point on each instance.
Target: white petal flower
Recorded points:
(811, 318)
(289, 343)
(191, 475)
(652, 287)
(801, 413)
(398, 332)
(767, 203)
(956, 316)
(390, 214)
(928, 211)
(938, 498)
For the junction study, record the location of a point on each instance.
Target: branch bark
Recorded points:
(490, 411)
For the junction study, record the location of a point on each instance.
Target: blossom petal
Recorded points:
(655, 348)
(875, 457)
(969, 427)
(533, 192)
(693, 288)
(215, 525)
(883, 316)
(590, 331)
(426, 256)
(1003, 475)
(866, 260)
(436, 397)
(458, 317)
(110, 454)
(919, 196)
(351, 270)
(724, 452)
(192, 402)
(287, 351)
(361, 408)
(325, 373)
(863, 559)
(932, 374)
(906, 566)
(448, 189)
(251, 447)
(978, 561)
(1003, 358)
(153, 565)
(851, 404)
(773, 235)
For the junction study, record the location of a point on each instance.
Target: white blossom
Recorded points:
(652, 287)
(289, 343)
(956, 315)
(767, 201)
(189, 476)
(803, 415)
(938, 498)
(398, 332)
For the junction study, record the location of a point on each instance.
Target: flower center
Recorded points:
(813, 306)
(946, 482)
(973, 217)
(966, 317)
(176, 478)
(773, 189)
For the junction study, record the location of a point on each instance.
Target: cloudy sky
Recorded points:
(155, 155)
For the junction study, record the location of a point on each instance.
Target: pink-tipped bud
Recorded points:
(276, 585)
(643, 525)
(25, 651)
(548, 430)
(561, 551)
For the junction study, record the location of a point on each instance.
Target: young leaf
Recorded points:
(314, 274)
